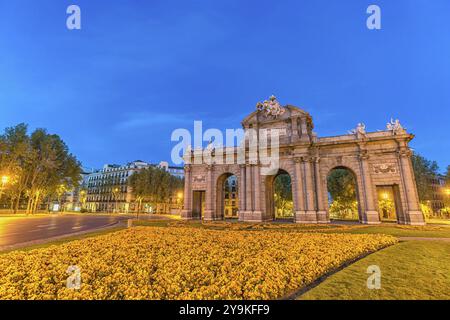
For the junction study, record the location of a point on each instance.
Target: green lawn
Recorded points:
(409, 270)
(429, 231)
(438, 221)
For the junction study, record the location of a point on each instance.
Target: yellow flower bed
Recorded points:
(181, 263)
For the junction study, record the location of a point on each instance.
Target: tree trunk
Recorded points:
(29, 204)
(16, 204)
(36, 203)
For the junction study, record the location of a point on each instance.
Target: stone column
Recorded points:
(186, 213)
(370, 216)
(311, 213)
(248, 192)
(298, 192)
(241, 188)
(257, 214)
(322, 216)
(414, 215)
(209, 212)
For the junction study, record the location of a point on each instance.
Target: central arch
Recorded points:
(343, 194)
(279, 196)
(227, 202)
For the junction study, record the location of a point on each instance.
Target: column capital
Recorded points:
(404, 153)
(187, 167)
(363, 155)
(307, 159)
(209, 167)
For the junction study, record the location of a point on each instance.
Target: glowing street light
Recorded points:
(5, 180)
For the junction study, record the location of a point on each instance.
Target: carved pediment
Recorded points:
(272, 112)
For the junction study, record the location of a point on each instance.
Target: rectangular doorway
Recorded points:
(198, 204)
(389, 203)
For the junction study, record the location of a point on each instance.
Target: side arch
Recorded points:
(220, 193)
(269, 189)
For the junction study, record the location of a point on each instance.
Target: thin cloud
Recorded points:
(149, 119)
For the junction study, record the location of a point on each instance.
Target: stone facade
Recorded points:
(377, 159)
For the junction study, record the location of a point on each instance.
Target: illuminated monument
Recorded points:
(378, 160)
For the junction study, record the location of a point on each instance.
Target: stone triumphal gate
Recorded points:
(376, 159)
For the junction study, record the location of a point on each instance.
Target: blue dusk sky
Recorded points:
(116, 89)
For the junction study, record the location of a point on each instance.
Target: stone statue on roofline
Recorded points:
(395, 126)
(271, 107)
(359, 130)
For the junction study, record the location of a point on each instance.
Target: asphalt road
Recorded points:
(19, 230)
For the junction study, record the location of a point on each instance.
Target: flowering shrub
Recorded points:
(181, 263)
(270, 226)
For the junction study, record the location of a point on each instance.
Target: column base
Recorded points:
(208, 215)
(415, 218)
(254, 216)
(186, 215)
(371, 217)
(212, 219)
(322, 217)
(306, 216)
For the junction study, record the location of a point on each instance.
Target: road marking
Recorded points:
(10, 234)
(77, 227)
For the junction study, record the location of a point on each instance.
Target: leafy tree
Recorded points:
(340, 209)
(53, 168)
(14, 156)
(38, 164)
(341, 184)
(154, 185)
(342, 189)
(423, 170)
